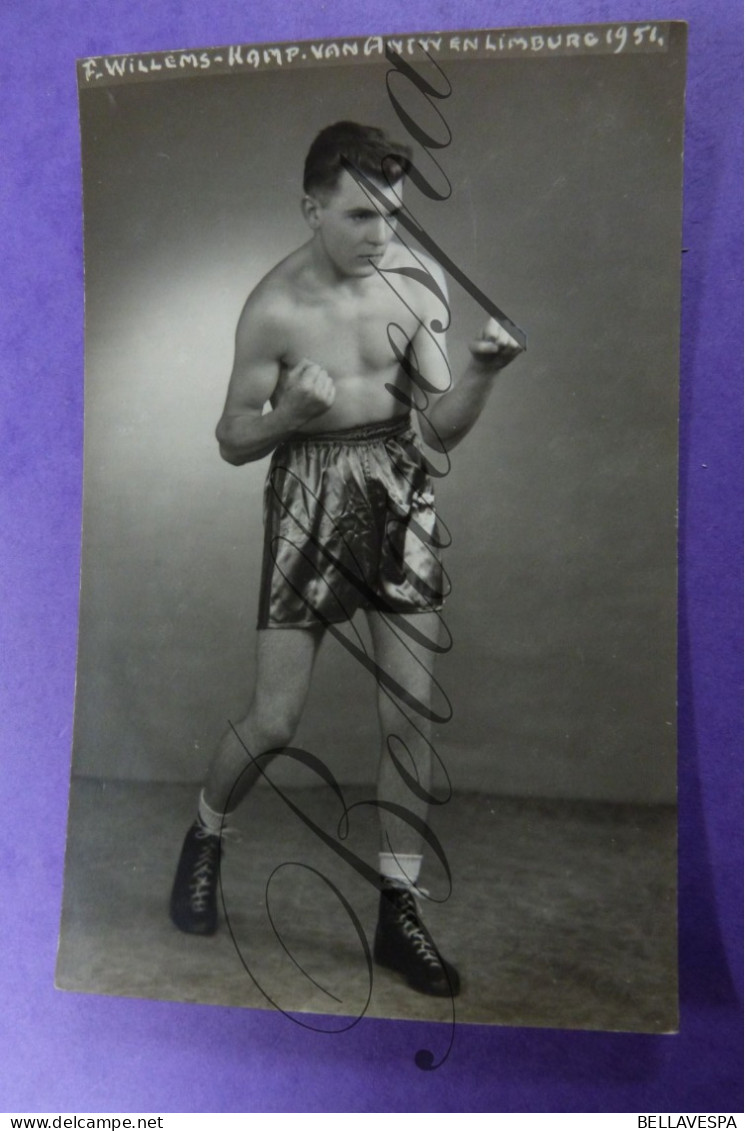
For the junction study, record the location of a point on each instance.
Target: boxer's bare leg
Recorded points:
(285, 658)
(402, 942)
(284, 664)
(410, 664)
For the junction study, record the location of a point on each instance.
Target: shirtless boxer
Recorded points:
(349, 512)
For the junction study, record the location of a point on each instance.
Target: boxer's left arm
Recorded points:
(452, 415)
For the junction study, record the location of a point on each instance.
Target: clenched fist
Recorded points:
(494, 348)
(304, 391)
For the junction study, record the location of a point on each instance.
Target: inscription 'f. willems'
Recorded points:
(346, 340)
(602, 39)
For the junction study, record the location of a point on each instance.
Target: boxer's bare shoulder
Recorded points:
(274, 300)
(262, 336)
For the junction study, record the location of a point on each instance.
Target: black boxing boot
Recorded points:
(194, 903)
(403, 944)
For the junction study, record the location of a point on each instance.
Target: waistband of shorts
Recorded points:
(361, 434)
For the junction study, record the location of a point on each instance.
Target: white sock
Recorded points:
(212, 821)
(402, 869)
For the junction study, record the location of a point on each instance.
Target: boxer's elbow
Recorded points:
(440, 440)
(226, 444)
(230, 455)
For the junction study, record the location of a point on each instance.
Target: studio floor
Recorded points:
(561, 914)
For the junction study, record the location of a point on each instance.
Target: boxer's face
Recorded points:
(354, 230)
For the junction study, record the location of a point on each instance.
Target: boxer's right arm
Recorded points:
(298, 393)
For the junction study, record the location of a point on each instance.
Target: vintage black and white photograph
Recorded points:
(376, 693)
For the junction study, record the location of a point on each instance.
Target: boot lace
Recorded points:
(202, 883)
(412, 927)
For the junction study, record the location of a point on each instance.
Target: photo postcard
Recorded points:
(376, 694)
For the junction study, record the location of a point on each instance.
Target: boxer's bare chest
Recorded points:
(350, 334)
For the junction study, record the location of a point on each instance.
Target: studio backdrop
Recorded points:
(564, 209)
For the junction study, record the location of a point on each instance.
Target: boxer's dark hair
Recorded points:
(367, 148)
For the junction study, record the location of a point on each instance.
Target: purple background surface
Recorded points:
(71, 1053)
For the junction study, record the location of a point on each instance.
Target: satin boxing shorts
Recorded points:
(349, 523)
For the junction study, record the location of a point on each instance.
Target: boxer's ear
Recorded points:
(310, 208)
